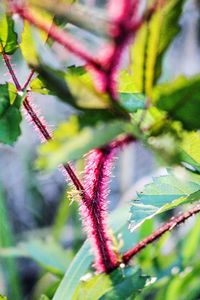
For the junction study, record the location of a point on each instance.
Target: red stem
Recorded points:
(36, 120)
(97, 174)
(28, 80)
(107, 256)
(159, 232)
(57, 34)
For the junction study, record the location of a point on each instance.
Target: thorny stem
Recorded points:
(108, 257)
(175, 221)
(97, 173)
(126, 27)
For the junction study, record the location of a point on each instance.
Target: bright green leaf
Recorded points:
(8, 37)
(190, 146)
(165, 193)
(151, 42)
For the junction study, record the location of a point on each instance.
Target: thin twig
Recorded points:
(36, 120)
(28, 80)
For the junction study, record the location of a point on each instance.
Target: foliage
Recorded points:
(110, 109)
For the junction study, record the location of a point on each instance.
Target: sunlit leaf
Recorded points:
(165, 193)
(151, 42)
(8, 37)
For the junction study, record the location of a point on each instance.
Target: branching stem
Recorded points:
(175, 221)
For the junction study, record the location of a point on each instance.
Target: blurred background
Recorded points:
(36, 205)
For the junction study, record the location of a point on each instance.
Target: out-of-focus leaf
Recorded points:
(184, 285)
(191, 244)
(30, 44)
(44, 297)
(8, 263)
(165, 193)
(8, 37)
(190, 146)
(10, 116)
(61, 216)
(151, 42)
(125, 82)
(74, 87)
(181, 99)
(47, 253)
(132, 101)
(3, 298)
(38, 86)
(73, 142)
(120, 284)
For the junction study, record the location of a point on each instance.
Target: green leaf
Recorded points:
(164, 193)
(74, 87)
(120, 284)
(47, 253)
(72, 142)
(8, 263)
(10, 116)
(190, 149)
(151, 42)
(3, 298)
(44, 297)
(132, 102)
(33, 39)
(181, 99)
(191, 243)
(8, 37)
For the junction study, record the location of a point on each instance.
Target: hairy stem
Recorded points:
(97, 174)
(175, 221)
(36, 120)
(106, 259)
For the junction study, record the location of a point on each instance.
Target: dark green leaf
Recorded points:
(10, 116)
(120, 284)
(181, 99)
